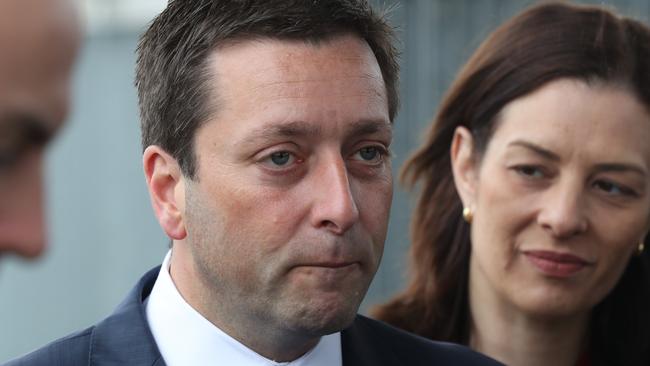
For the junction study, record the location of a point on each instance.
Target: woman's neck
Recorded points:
(504, 333)
(523, 342)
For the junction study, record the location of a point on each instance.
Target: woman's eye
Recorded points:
(529, 171)
(612, 188)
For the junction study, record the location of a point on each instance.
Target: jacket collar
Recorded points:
(124, 338)
(361, 346)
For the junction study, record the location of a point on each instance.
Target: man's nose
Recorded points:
(563, 212)
(334, 207)
(22, 225)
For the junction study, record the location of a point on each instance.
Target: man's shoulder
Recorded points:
(410, 349)
(72, 350)
(122, 338)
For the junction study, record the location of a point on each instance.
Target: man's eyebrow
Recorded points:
(305, 129)
(24, 130)
(20, 133)
(536, 149)
(369, 127)
(290, 129)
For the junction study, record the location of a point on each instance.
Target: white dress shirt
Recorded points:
(185, 338)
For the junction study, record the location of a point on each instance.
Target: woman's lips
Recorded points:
(556, 264)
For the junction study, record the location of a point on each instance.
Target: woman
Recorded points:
(529, 235)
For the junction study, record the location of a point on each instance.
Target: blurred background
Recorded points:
(103, 235)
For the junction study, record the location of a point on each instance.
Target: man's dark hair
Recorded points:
(172, 67)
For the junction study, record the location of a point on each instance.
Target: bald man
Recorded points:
(38, 43)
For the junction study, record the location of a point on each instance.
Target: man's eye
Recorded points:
(11, 155)
(7, 160)
(370, 154)
(281, 158)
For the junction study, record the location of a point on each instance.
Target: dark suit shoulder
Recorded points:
(123, 338)
(410, 349)
(72, 350)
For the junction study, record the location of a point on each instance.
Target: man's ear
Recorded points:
(464, 166)
(167, 190)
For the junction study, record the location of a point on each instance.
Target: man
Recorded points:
(266, 127)
(38, 43)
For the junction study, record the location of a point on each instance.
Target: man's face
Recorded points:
(287, 215)
(38, 41)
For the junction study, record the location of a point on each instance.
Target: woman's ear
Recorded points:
(166, 186)
(464, 165)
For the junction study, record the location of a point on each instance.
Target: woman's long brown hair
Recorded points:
(544, 43)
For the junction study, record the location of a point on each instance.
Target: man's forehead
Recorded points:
(286, 67)
(27, 12)
(294, 56)
(38, 43)
(37, 23)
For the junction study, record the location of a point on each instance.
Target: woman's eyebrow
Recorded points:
(621, 167)
(548, 154)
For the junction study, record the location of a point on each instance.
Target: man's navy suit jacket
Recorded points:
(124, 338)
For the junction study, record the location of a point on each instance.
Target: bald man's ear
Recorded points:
(464, 166)
(167, 190)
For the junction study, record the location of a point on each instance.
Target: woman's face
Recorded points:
(561, 197)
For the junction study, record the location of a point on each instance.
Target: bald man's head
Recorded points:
(38, 44)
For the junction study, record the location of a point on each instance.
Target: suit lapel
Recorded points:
(124, 337)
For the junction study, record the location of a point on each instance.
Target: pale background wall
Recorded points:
(103, 232)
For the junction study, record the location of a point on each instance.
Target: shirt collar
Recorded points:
(185, 337)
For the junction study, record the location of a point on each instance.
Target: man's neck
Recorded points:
(267, 340)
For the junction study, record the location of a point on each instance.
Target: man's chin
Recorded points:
(319, 321)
